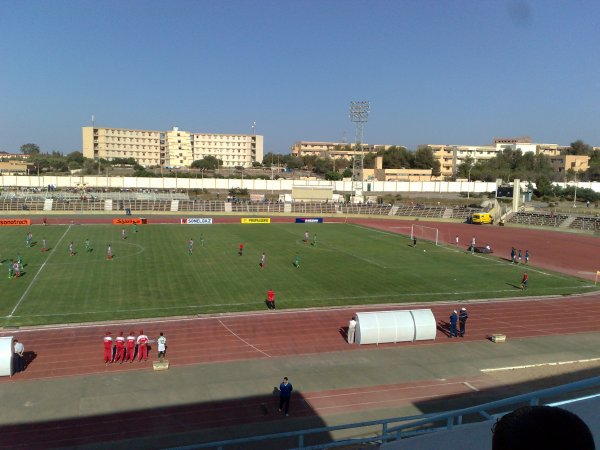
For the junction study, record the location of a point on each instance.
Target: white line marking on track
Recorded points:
(36, 275)
(529, 366)
(243, 340)
(470, 386)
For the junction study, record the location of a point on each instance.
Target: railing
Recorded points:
(411, 425)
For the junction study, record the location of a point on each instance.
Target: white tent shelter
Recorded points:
(6, 356)
(395, 326)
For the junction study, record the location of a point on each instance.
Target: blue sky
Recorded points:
(456, 72)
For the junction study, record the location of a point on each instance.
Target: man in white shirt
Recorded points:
(351, 330)
(162, 345)
(19, 351)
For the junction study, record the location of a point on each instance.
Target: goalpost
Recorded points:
(425, 233)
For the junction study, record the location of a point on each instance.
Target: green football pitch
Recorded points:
(152, 274)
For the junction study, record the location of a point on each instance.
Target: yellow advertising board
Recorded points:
(255, 220)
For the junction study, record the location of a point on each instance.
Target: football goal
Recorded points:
(421, 232)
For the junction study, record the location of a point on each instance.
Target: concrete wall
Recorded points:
(253, 185)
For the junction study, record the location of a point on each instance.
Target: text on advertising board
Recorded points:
(14, 222)
(119, 221)
(197, 221)
(255, 220)
(309, 220)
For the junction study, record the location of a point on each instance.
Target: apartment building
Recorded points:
(333, 150)
(172, 148)
(563, 163)
(452, 156)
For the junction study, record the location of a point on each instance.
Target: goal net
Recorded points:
(421, 232)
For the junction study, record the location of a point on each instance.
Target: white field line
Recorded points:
(360, 297)
(36, 275)
(243, 340)
(529, 366)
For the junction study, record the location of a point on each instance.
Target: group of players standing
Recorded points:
(125, 349)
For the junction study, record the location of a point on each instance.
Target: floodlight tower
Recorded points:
(359, 114)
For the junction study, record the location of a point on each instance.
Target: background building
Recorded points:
(173, 148)
(333, 150)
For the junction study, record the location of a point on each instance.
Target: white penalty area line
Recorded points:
(529, 366)
(36, 275)
(243, 340)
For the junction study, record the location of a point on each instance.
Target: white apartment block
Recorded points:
(173, 148)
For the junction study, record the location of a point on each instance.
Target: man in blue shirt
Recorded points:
(285, 392)
(453, 320)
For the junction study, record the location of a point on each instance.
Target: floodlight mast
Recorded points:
(359, 115)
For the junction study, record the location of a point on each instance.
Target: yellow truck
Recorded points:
(482, 218)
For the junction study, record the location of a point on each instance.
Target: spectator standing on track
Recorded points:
(453, 319)
(108, 348)
(526, 256)
(18, 360)
(513, 255)
(462, 321)
(131, 339)
(120, 348)
(285, 393)
(270, 299)
(161, 344)
(142, 343)
(351, 330)
(519, 256)
(525, 281)
(473, 242)
(456, 240)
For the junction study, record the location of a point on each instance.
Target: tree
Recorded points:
(75, 157)
(544, 187)
(30, 149)
(424, 158)
(292, 162)
(208, 162)
(347, 173)
(333, 176)
(579, 148)
(397, 158)
(323, 165)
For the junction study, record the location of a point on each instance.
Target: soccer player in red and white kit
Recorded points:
(142, 342)
(108, 345)
(120, 348)
(130, 347)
